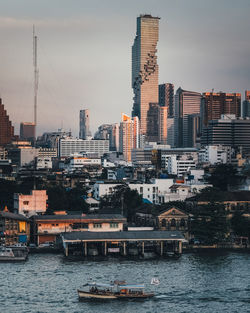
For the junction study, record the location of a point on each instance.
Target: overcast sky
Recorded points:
(84, 54)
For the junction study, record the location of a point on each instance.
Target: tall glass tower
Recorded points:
(145, 67)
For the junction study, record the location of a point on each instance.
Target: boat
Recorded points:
(13, 254)
(112, 291)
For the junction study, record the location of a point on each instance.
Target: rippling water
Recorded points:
(194, 283)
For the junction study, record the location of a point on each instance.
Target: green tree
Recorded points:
(240, 224)
(223, 176)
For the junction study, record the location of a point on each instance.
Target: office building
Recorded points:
(170, 131)
(228, 131)
(187, 103)
(145, 67)
(153, 122)
(27, 131)
(6, 128)
(166, 97)
(69, 146)
(162, 124)
(246, 104)
(213, 105)
(84, 132)
(129, 136)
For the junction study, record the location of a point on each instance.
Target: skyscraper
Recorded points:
(246, 104)
(27, 131)
(186, 103)
(145, 67)
(216, 104)
(84, 132)
(166, 97)
(129, 135)
(6, 128)
(162, 124)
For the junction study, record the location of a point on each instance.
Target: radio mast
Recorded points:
(36, 73)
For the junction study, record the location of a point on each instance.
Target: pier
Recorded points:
(123, 243)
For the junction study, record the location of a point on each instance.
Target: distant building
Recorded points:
(32, 204)
(162, 125)
(246, 104)
(153, 122)
(69, 146)
(77, 161)
(145, 67)
(84, 132)
(228, 131)
(51, 139)
(129, 135)
(215, 154)
(179, 165)
(22, 153)
(216, 104)
(6, 128)
(27, 131)
(166, 98)
(187, 103)
(170, 131)
(43, 163)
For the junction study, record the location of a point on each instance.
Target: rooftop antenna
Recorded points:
(36, 72)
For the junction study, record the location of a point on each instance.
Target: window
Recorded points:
(113, 225)
(97, 225)
(25, 202)
(173, 222)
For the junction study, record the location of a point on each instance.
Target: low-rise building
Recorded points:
(48, 227)
(14, 228)
(34, 203)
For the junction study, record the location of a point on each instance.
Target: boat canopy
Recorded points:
(99, 285)
(131, 286)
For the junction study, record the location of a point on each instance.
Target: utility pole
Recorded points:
(36, 73)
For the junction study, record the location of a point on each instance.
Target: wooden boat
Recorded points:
(114, 290)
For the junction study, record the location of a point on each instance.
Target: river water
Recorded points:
(204, 283)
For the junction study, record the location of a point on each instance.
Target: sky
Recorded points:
(84, 54)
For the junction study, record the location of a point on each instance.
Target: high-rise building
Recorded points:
(246, 104)
(213, 105)
(166, 97)
(6, 128)
(129, 135)
(162, 124)
(187, 103)
(153, 122)
(228, 131)
(170, 131)
(27, 131)
(84, 132)
(145, 67)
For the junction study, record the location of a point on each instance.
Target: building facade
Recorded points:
(84, 132)
(166, 98)
(246, 105)
(27, 131)
(6, 128)
(145, 67)
(216, 104)
(187, 103)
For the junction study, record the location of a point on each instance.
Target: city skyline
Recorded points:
(77, 48)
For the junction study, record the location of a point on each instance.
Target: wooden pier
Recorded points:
(123, 243)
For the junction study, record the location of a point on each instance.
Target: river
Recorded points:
(204, 283)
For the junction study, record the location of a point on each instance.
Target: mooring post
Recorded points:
(66, 249)
(105, 248)
(85, 248)
(161, 248)
(124, 248)
(142, 248)
(180, 247)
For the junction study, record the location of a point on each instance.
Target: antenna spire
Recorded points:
(36, 73)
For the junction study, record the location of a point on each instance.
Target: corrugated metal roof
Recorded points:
(123, 235)
(108, 217)
(14, 216)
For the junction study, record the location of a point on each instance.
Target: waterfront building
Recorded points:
(6, 128)
(246, 105)
(187, 103)
(69, 146)
(47, 228)
(166, 98)
(27, 131)
(14, 228)
(173, 219)
(213, 105)
(145, 67)
(228, 131)
(84, 132)
(31, 204)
